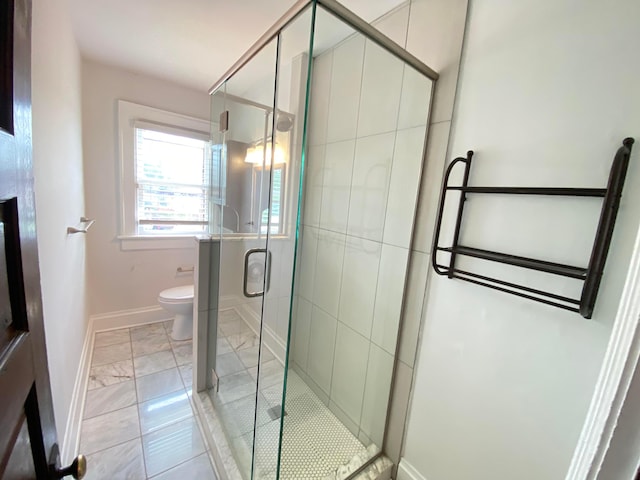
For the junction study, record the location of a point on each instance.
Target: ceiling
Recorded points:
(190, 42)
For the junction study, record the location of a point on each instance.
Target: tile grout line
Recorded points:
(137, 403)
(135, 386)
(112, 411)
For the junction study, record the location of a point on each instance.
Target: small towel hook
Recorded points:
(86, 224)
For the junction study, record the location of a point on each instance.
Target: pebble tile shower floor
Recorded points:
(139, 420)
(315, 443)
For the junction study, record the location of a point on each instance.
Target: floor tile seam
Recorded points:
(135, 382)
(181, 343)
(102, 386)
(244, 370)
(91, 366)
(204, 448)
(122, 342)
(119, 342)
(139, 437)
(169, 424)
(120, 442)
(184, 383)
(113, 330)
(177, 367)
(200, 423)
(147, 326)
(151, 336)
(239, 349)
(163, 395)
(240, 332)
(110, 411)
(185, 360)
(159, 371)
(109, 363)
(176, 466)
(101, 347)
(153, 353)
(141, 346)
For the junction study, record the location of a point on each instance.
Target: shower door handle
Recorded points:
(245, 279)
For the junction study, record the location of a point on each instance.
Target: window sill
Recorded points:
(157, 242)
(175, 242)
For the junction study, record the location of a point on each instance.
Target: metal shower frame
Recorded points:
(344, 14)
(358, 25)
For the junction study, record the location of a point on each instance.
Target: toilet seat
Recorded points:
(182, 294)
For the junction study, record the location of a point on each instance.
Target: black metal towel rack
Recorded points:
(591, 275)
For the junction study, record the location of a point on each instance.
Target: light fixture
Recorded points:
(255, 155)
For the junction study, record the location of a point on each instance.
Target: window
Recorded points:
(165, 172)
(171, 183)
(276, 205)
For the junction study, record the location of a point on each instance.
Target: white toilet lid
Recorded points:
(177, 293)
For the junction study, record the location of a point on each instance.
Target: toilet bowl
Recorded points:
(179, 302)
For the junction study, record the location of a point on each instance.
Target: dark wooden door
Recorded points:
(27, 428)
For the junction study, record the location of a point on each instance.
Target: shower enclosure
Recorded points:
(318, 135)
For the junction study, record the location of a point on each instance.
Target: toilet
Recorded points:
(179, 302)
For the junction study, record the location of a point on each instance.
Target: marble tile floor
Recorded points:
(138, 420)
(235, 398)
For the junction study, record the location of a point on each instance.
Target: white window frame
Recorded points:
(130, 116)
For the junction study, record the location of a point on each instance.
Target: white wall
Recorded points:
(122, 280)
(545, 97)
(59, 191)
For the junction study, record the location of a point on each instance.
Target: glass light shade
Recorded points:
(255, 155)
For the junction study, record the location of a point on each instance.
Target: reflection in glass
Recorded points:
(314, 188)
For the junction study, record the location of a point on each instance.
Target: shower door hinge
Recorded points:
(215, 380)
(224, 121)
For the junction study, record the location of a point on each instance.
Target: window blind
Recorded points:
(172, 182)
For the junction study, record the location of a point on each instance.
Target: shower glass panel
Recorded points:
(243, 108)
(366, 130)
(291, 90)
(317, 162)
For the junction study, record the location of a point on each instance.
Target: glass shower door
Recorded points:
(256, 189)
(302, 351)
(286, 169)
(242, 112)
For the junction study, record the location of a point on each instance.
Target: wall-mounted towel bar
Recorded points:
(85, 224)
(590, 275)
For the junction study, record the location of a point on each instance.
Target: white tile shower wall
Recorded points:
(388, 297)
(337, 168)
(344, 90)
(359, 279)
(380, 94)
(352, 265)
(369, 185)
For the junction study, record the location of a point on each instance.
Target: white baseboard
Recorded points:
(128, 318)
(228, 301)
(271, 339)
(406, 471)
(71, 440)
(98, 323)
